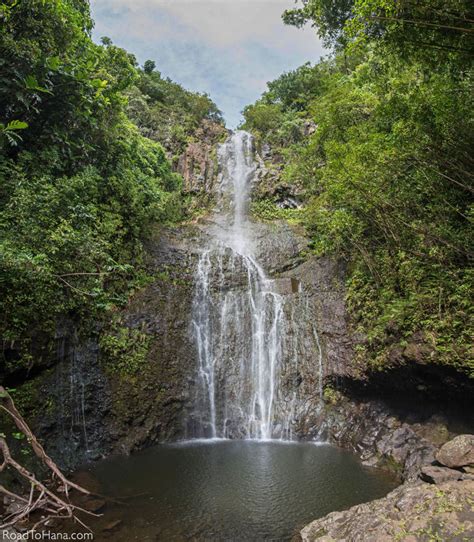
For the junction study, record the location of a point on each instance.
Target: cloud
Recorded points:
(228, 48)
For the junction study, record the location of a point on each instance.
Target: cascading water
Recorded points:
(240, 324)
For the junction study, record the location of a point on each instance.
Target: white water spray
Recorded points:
(239, 320)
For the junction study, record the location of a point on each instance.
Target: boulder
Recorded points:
(409, 513)
(458, 452)
(438, 475)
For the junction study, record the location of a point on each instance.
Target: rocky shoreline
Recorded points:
(437, 505)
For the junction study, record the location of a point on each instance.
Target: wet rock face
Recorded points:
(380, 439)
(235, 303)
(411, 512)
(279, 246)
(317, 340)
(458, 452)
(323, 281)
(95, 411)
(85, 409)
(197, 164)
(68, 404)
(148, 407)
(282, 251)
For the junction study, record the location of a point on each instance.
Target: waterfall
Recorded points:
(239, 321)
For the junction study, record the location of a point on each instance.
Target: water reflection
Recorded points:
(223, 490)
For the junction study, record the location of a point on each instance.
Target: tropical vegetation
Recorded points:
(387, 169)
(82, 172)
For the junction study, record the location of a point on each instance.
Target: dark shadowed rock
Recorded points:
(457, 452)
(438, 475)
(379, 438)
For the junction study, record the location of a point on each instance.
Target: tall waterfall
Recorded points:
(239, 321)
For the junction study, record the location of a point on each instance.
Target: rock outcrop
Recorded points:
(412, 512)
(437, 475)
(376, 435)
(197, 165)
(458, 452)
(86, 406)
(440, 509)
(147, 407)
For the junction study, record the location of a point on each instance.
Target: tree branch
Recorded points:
(40, 497)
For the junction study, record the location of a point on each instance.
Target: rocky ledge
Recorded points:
(437, 506)
(412, 512)
(379, 437)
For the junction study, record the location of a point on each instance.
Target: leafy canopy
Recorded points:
(80, 184)
(387, 169)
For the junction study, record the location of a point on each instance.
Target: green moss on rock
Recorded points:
(124, 350)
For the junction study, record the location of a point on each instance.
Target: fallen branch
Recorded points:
(41, 498)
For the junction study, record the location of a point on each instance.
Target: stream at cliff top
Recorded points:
(230, 490)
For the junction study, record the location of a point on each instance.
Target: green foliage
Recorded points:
(387, 171)
(124, 350)
(328, 16)
(10, 132)
(293, 90)
(268, 210)
(149, 67)
(278, 117)
(429, 30)
(392, 198)
(432, 30)
(80, 184)
(166, 112)
(271, 123)
(266, 117)
(331, 395)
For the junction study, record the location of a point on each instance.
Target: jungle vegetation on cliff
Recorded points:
(386, 167)
(80, 181)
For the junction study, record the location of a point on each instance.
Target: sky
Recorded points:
(227, 48)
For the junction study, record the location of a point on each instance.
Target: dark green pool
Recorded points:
(231, 490)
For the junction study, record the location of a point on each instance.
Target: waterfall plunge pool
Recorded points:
(230, 490)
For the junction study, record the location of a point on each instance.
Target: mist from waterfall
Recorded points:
(240, 325)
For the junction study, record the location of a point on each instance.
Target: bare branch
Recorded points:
(40, 498)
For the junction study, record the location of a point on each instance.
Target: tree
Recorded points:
(79, 185)
(427, 28)
(149, 67)
(328, 16)
(387, 169)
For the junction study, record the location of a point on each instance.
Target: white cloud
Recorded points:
(228, 48)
